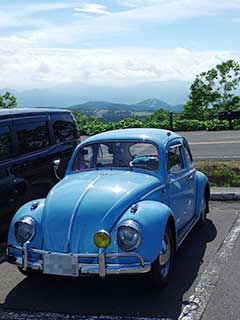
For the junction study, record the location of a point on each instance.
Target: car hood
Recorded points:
(83, 203)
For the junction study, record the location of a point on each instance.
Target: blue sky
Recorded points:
(120, 42)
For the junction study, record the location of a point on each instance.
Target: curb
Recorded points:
(218, 196)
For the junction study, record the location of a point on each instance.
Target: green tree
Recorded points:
(213, 91)
(8, 101)
(160, 115)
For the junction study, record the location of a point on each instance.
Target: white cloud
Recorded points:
(171, 10)
(24, 67)
(92, 8)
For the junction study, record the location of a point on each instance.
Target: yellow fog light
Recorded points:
(102, 239)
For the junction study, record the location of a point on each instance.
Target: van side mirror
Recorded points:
(56, 164)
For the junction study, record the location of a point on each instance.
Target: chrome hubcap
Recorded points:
(164, 257)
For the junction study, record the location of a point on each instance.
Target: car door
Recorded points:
(179, 179)
(190, 185)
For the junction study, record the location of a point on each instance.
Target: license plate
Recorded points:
(60, 265)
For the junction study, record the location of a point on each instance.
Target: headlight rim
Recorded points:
(26, 220)
(134, 225)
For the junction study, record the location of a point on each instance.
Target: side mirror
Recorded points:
(56, 164)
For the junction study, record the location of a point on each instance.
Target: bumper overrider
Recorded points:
(102, 268)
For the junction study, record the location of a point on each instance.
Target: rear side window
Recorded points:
(5, 143)
(32, 136)
(64, 128)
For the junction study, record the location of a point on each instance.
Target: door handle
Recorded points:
(189, 177)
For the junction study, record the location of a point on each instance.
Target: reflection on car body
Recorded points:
(127, 201)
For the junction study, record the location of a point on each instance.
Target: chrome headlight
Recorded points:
(24, 229)
(128, 235)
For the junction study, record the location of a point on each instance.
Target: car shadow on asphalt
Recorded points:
(132, 296)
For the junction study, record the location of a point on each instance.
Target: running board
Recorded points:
(186, 230)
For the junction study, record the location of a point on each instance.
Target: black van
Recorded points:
(30, 140)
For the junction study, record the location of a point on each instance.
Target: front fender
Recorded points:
(152, 217)
(36, 214)
(202, 187)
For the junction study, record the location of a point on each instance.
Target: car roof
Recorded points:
(18, 112)
(159, 136)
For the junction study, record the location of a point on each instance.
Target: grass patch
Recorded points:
(221, 173)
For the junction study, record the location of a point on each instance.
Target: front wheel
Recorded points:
(162, 266)
(29, 272)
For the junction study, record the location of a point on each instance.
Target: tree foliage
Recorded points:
(213, 91)
(8, 101)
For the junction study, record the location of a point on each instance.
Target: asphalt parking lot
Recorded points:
(204, 284)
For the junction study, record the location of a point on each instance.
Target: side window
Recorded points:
(144, 156)
(5, 143)
(84, 158)
(174, 159)
(32, 136)
(188, 153)
(64, 128)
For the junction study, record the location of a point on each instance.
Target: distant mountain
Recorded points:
(153, 104)
(149, 105)
(115, 111)
(93, 105)
(63, 95)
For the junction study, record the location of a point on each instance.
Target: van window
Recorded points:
(32, 136)
(5, 143)
(64, 128)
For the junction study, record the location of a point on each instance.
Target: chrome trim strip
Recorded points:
(156, 189)
(75, 210)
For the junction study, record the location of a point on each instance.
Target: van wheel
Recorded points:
(162, 266)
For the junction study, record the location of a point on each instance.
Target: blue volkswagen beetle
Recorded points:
(128, 200)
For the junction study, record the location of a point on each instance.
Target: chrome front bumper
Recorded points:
(101, 268)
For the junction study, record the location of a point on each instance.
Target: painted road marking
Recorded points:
(216, 157)
(192, 311)
(58, 316)
(214, 142)
(197, 303)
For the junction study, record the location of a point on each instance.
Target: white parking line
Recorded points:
(58, 316)
(214, 142)
(197, 303)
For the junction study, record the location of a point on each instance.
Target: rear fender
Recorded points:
(202, 191)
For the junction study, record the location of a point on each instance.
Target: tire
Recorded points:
(162, 266)
(203, 211)
(29, 272)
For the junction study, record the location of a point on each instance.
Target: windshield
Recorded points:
(124, 154)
